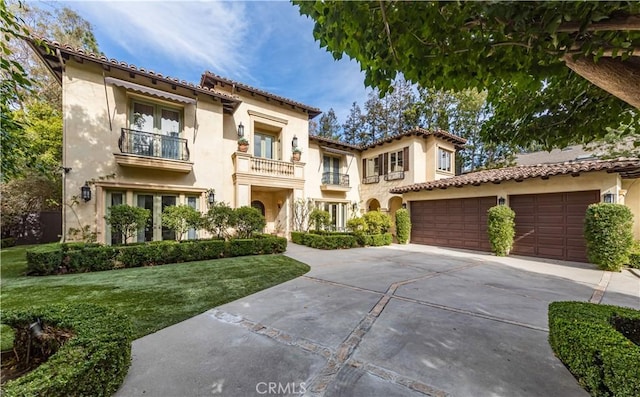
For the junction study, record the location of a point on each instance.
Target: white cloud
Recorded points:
(205, 34)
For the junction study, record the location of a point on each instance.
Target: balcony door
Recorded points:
(265, 146)
(331, 170)
(155, 203)
(159, 130)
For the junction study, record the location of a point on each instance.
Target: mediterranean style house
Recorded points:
(135, 136)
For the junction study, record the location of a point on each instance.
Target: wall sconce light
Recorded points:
(85, 192)
(294, 142)
(279, 204)
(211, 196)
(609, 198)
(240, 130)
(404, 206)
(501, 200)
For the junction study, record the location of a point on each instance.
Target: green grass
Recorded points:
(6, 337)
(153, 297)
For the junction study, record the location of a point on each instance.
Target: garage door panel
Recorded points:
(551, 225)
(458, 223)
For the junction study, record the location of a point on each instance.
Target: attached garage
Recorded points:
(551, 225)
(457, 223)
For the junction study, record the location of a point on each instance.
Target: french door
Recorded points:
(155, 203)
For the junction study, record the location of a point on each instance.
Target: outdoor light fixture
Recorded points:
(36, 329)
(85, 192)
(501, 200)
(404, 205)
(240, 130)
(211, 197)
(608, 198)
(294, 142)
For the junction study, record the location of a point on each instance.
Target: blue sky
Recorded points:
(265, 44)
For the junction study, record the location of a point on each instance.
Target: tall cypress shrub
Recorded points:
(501, 229)
(608, 230)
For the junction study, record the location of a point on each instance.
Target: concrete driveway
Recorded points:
(390, 321)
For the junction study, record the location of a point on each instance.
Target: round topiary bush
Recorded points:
(92, 362)
(403, 225)
(608, 230)
(501, 229)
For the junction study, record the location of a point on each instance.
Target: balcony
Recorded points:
(141, 149)
(394, 176)
(334, 181)
(370, 179)
(265, 172)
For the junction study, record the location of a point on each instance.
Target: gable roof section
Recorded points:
(213, 79)
(420, 132)
(54, 55)
(628, 168)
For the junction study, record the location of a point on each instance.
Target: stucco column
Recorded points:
(243, 195)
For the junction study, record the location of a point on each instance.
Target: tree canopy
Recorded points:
(517, 51)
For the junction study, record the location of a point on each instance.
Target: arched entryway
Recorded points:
(373, 205)
(257, 204)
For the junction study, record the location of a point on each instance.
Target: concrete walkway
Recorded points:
(391, 321)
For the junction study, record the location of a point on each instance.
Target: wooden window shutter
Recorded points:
(383, 163)
(364, 168)
(405, 158)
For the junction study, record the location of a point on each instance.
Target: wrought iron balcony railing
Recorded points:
(392, 176)
(334, 178)
(371, 179)
(153, 145)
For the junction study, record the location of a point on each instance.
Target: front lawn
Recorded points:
(152, 297)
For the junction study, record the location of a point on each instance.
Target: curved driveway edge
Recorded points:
(389, 321)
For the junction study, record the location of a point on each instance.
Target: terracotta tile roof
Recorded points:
(216, 79)
(456, 140)
(334, 142)
(417, 131)
(53, 63)
(629, 167)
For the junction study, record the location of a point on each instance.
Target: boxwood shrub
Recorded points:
(93, 362)
(595, 343)
(55, 259)
(403, 225)
(339, 240)
(501, 229)
(608, 231)
(7, 242)
(634, 255)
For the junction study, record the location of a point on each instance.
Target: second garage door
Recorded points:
(457, 223)
(551, 225)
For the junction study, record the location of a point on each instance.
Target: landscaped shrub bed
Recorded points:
(634, 255)
(7, 242)
(60, 258)
(93, 362)
(596, 343)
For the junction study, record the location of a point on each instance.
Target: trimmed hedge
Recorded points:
(501, 229)
(585, 339)
(608, 230)
(338, 240)
(634, 255)
(403, 225)
(93, 362)
(55, 259)
(7, 242)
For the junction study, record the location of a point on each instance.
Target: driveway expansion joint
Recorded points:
(601, 288)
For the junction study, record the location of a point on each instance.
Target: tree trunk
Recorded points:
(619, 78)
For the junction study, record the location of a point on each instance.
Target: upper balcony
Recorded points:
(267, 172)
(334, 181)
(156, 151)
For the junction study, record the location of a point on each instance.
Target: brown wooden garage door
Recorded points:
(457, 223)
(551, 225)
